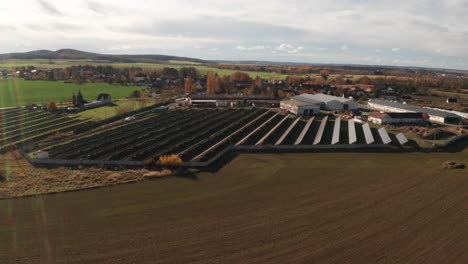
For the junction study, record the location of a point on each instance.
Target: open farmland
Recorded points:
(19, 92)
(267, 208)
(62, 63)
(202, 134)
(18, 125)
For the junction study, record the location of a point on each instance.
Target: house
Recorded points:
(105, 98)
(397, 118)
(299, 108)
(102, 99)
(140, 77)
(327, 102)
(436, 116)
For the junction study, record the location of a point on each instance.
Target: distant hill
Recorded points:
(72, 54)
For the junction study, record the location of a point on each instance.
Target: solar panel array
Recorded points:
(255, 131)
(336, 131)
(260, 142)
(384, 136)
(319, 135)
(286, 133)
(402, 138)
(352, 132)
(304, 131)
(368, 133)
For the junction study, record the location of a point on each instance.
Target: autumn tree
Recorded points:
(188, 85)
(213, 83)
(324, 74)
(240, 77)
(52, 106)
(170, 73)
(364, 80)
(189, 72)
(171, 160)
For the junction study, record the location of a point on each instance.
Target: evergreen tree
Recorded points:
(79, 99)
(74, 101)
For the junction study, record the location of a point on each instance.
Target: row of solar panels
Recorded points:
(352, 137)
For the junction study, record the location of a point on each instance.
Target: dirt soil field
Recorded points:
(291, 208)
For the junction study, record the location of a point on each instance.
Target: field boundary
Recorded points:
(220, 159)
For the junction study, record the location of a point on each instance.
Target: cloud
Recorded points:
(96, 7)
(251, 48)
(49, 8)
(395, 49)
(289, 48)
(344, 31)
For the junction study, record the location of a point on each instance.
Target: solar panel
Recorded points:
(286, 133)
(304, 131)
(319, 135)
(368, 133)
(384, 136)
(402, 138)
(336, 131)
(257, 129)
(260, 142)
(352, 132)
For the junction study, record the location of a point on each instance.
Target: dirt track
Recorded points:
(313, 208)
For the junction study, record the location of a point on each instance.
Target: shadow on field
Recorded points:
(188, 174)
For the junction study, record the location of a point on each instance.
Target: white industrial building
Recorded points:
(394, 107)
(299, 107)
(327, 102)
(397, 118)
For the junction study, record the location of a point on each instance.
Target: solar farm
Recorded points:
(198, 135)
(18, 125)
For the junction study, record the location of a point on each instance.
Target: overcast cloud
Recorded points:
(422, 33)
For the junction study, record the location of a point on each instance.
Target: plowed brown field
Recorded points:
(292, 208)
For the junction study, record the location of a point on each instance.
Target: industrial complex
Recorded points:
(436, 116)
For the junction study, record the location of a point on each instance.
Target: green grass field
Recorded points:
(18, 92)
(110, 111)
(45, 64)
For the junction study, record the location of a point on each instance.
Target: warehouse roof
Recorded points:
(299, 103)
(321, 98)
(413, 108)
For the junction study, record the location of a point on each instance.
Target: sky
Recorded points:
(423, 33)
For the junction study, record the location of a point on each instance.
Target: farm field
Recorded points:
(118, 106)
(268, 208)
(44, 64)
(201, 134)
(19, 92)
(19, 124)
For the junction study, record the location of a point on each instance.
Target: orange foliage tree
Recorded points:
(171, 160)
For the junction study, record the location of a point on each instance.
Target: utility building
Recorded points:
(327, 102)
(299, 107)
(394, 107)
